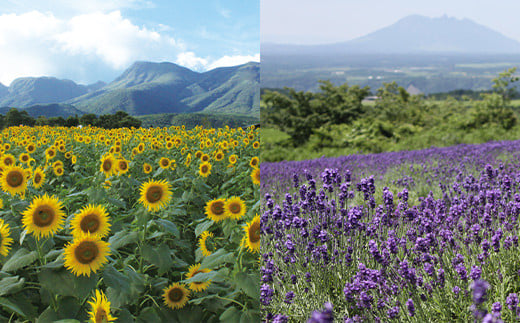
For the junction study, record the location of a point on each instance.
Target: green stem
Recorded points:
(232, 300)
(143, 238)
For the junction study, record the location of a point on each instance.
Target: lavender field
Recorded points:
(419, 236)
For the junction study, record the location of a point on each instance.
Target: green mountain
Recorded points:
(152, 88)
(28, 91)
(3, 90)
(48, 110)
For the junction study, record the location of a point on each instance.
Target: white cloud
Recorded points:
(191, 61)
(90, 46)
(35, 43)
(234, 60)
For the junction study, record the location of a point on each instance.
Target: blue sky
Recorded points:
(328, 21)
(92, 40)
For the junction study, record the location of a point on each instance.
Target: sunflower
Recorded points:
(58, 171)
(86, 254)
(164, 162)
(50, 153)
(204, 158)
(24, 158)
(176, 296)
(91, 219)
(44, 216)
(205, 169)
(233, 159)
(203, 243)
(8, 160)
(74, 159)
(252, 234)
(108, 165)
(219, 156)
(14, 180)
(121, 166)
(254, 162)
(198, 154)
(256, 145)
(255, 176)
(215, 210)
(147, 168)
(5, 238)
(30, 148)
(197, 286)
(38, 177)
(100, 309)
(235, 208)
(155, 194)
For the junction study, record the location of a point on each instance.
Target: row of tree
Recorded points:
(120, 119)
(301, 114)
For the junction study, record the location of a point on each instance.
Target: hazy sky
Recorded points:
(327, 21)
(90, 40)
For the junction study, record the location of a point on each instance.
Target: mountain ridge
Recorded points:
(144, 88)
(415, 34)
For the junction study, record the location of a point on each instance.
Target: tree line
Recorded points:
(120, 119)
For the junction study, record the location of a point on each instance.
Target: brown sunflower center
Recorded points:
(101, 316)
(14, 178)
(254, 232)
(147, 168)
(43, 215)
(122, 165)
(86, 252)
(154, 194)
(8, 161)
(37, 178)
(235, 208)
(205, 158)
(90, 223)
(25, 158)
(164, 162)
(107, 165)
(175, 295)
(217, 208)
(254, 162)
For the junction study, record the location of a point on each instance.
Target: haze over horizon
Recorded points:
(309, 22)
(96, 40)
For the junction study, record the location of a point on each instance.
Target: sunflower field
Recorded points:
(129, 225)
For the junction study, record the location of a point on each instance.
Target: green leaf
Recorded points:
(230, 315)
(117, 202)
(131, 295)
(67, 321)
(11, 285)
(201, 277)
(249, 316)
(249, 283)
(18, 305)
(201, 227)
(122, 238)
(21, 258)
(64, 283)
(124, 316)
(169, 227)
(148, 315)
(115, 279)
(49, 315)
(158, 256)
(217, 258)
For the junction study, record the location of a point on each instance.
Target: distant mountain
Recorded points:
(3, 90)
(415, 34)
(48, 110)
(144, 88)
(95, 86)
(28, 91)
(151, 88)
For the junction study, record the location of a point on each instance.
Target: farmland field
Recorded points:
(124, 225)
(414, 236)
